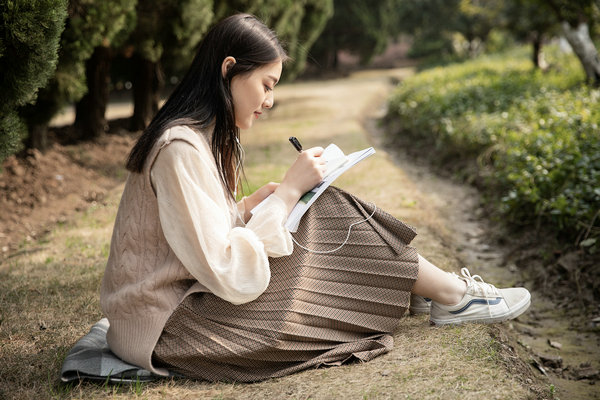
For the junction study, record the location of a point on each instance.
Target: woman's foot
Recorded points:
(482, 303)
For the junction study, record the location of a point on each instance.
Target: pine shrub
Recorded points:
(29, 38)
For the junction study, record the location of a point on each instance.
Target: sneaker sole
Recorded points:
(517, 310)
(419, 310)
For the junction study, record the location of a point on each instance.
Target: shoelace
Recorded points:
(478, 283)
(480, 286)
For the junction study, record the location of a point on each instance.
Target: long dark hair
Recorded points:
(203, 97)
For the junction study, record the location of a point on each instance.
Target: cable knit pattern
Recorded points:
(177, 233)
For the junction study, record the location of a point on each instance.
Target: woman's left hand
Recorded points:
(255, 198)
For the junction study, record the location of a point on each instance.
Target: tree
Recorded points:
(476, 20)
(298, 23)
(431, 24)
(90, 23)
(167, 31)
(530, 21)
(90, 122)
(361, 27)
(434, 25)
(29, 38)
(576, 18)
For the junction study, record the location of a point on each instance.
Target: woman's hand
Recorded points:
(306, 172)
(255, 198)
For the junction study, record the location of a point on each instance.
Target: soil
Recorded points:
(38, 191)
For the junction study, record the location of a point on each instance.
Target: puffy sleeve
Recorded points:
(195, 215)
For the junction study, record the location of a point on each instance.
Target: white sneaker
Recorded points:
(419, 305)
(482, 303)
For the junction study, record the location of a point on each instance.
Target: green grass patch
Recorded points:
(530, 138)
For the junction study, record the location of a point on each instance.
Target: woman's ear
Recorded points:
(228, 62)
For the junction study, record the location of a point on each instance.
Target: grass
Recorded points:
(49, 297)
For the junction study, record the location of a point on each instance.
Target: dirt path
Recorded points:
(564, 348)
(49, 288)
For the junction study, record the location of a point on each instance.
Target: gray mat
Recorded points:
(91, 359)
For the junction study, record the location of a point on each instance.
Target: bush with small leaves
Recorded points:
(533, 135)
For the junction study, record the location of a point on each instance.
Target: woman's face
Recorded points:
(253, 92)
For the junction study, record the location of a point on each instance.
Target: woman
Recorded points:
(195, 284)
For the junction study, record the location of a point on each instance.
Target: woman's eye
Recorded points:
(268, 89)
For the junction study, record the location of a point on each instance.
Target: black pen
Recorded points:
(296, 144)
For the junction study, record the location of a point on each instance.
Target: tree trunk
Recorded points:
(537, 46)
(583, 46)
(333, 59)
(147, 83)
(89, 119)
(38, 137)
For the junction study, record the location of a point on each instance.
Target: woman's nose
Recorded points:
(268, 103)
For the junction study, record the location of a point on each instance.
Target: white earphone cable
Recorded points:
(237, 168)
(345, 241)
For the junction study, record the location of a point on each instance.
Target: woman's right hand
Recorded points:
(306, 172)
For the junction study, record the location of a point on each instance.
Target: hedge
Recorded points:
(533, 135)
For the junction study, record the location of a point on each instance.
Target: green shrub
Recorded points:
(535, 134)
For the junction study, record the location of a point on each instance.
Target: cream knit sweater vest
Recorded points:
(144, 281)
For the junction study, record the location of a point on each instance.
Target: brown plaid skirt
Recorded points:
(319, 308)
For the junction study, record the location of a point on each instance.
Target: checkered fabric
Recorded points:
(91, 359)
(319, 309)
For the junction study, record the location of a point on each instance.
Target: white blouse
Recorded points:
(205, 230)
